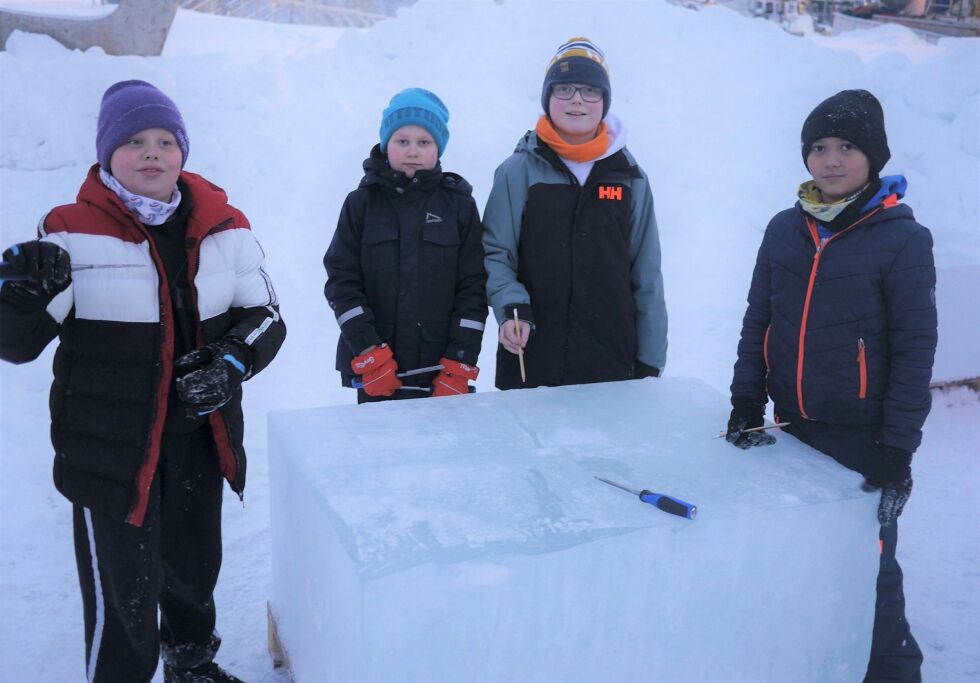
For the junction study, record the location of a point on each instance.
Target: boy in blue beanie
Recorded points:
(405, 273)
(156, 339)
(840, 332)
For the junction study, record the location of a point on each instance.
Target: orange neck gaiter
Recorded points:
(587, 151)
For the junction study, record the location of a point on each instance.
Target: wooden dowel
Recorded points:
(520, 350)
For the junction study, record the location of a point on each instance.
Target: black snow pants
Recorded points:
(171, 563)
(895, 656)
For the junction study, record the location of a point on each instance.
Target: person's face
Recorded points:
(838, 167)
(148, 164)
(576, 119)
(411, 149)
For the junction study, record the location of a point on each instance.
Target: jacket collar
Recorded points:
(208, 201)
(378, 172)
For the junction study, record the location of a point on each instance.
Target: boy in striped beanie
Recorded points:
(571, 242)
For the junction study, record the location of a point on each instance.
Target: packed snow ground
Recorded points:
(281, 117)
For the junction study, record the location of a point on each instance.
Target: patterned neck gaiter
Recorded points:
(148, 211)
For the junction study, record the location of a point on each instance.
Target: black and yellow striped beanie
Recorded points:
(578, 60)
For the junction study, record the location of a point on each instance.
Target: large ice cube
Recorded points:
(466, 539)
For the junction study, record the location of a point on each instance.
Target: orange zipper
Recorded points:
(862, 370)
(765, 348)
(890, 201)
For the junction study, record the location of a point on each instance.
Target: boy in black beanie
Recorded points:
(840, 331)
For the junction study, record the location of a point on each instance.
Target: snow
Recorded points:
(281, 117)
(394, 529)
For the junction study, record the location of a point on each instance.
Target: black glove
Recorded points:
(747, 414)
(36, 272)
(214, 374)
(889, 469)
(641, 370)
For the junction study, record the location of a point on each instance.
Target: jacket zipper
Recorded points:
(145, 474)
(765, 348)
(862, 370)
(815, 266)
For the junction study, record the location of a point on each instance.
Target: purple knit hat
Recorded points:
(129, 107)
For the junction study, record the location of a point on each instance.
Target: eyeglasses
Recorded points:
(589, 93)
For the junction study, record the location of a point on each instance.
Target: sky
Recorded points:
(282, 116)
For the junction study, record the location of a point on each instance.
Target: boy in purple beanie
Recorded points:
(167, 310)
(840, 331)
(405, 273)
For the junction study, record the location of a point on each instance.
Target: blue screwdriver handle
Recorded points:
(668, 504)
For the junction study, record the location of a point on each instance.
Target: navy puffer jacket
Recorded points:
(844, 333)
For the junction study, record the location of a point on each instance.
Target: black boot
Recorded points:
(206, 673)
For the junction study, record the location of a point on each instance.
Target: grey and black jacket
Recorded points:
(405, 267)
(581, 263)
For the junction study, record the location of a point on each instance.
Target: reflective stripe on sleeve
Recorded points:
(352, 313)
(471, 324)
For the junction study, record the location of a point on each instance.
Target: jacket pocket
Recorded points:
(862, 370)
(379, 245)
(441, 243)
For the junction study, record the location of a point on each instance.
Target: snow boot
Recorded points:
(206, 673)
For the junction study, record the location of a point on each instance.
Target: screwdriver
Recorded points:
(672, 505)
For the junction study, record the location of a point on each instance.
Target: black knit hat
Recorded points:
(578, 60)
(852, 115)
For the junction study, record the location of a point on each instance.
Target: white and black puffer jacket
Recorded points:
(113, 368)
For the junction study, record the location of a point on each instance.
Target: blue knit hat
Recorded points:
(129, 107)
(416, 107)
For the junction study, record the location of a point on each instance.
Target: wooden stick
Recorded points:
(520, 350)
(758, 429)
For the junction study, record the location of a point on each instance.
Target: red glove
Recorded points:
(377, 369)
(453, 378)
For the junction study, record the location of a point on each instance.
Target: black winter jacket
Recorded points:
(113, 369)
(406, 268)
(844, 333)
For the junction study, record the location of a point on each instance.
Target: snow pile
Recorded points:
(282, 116)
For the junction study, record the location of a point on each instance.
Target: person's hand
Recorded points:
(889, 469)
(377, 369)
(747, 414)
(213, 375)
(641, 370)
(40, 270)
(514, 334)
(452, 379)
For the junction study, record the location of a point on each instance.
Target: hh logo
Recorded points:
(611, 192)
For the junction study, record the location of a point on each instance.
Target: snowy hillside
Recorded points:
(281, 117)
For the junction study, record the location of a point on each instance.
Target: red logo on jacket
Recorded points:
(611, 192)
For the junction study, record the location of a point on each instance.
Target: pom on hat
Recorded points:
(129, 107)
(852, 115)
(578, 60)
(416, 107)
